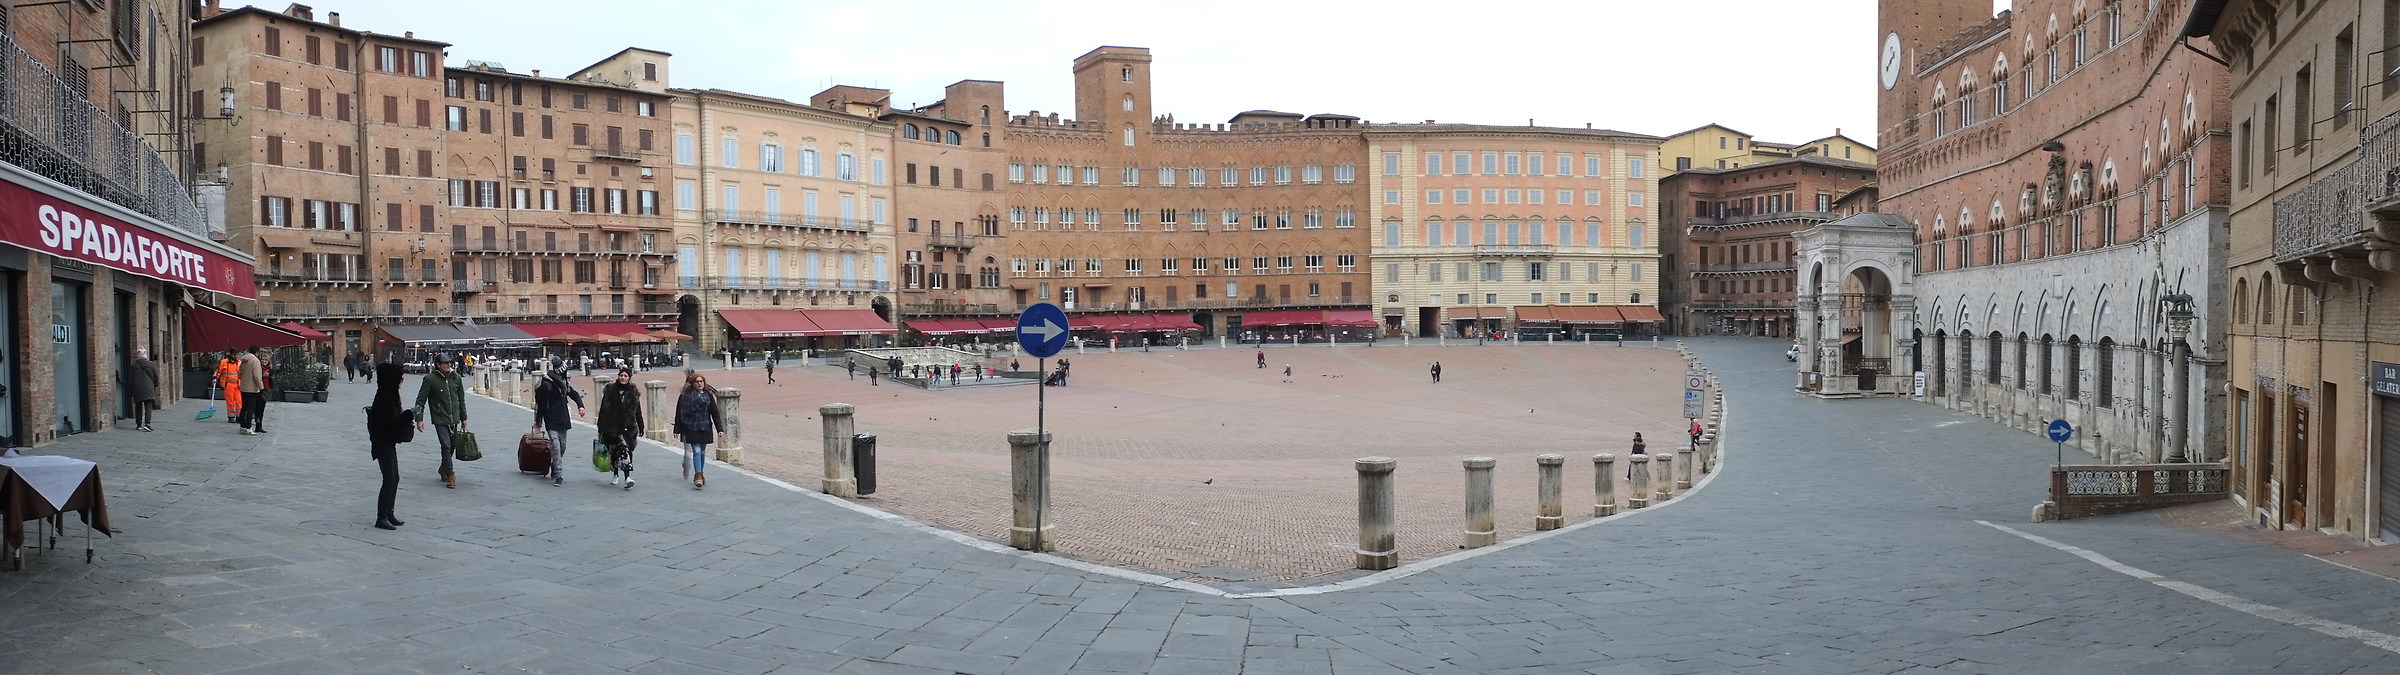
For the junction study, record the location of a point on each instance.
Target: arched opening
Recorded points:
(2074, 367)
(2104, 373)
(1991, 374)
(1940, 371)
(2049, 347)
(1866, 325)
(687, 315)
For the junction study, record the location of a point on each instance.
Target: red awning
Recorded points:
(768, 323)
(544, 330)
(999, 325)
(947, 326)
(848, 322)
(1353, 318)
(208, 329)
(1589, 315)
(306, 332)
(1283, 317)
(1538, 314)
(1641, 313)
(1085, 321)
(1172, 322)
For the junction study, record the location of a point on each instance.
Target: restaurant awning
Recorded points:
(431, 335)
(504, 335)
(1352, 318)
(946, 326)
(1084, 321)
(1641, 313)
(208, 329)
(999, 325)
(1538, 314)
(848, 322)
(1172, 322)
(1457, 313)
(768, 323)
(1589, 315)
(304, 331)
(1283, 317)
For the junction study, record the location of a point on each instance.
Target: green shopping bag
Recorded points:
(467, 451)
(600, 458)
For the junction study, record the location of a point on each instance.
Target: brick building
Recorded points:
(2063, 165)
(948, 158)
(1251, 226)
(1493, 229)
(378, 187)
(2314, 421)
(107, 250)
(1733, 269)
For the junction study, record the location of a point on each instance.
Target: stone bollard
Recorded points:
(599, 388)
(654, 412)
(1683, 465)
(1604, 485)
(1664, 463)
(1640, 472)
(728, 356)
(483, 382)
(1708, 453)
(1377, 549)
(1480, 531)
(1551, 511)
(516, 389)
(729, 402)
(839, 479)
(1029, 489)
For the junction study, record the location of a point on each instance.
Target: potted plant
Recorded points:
(320, 376)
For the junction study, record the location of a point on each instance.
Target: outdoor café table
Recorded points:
(36, 487)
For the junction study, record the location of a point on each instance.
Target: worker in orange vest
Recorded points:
(229, 377)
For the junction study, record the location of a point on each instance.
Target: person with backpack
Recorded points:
(699, 423)
(550, 417)
(1639, 448)
(621, 426)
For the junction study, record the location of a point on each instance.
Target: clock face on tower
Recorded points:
(1891, 61)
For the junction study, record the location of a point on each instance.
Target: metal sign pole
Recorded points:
(1041, 455)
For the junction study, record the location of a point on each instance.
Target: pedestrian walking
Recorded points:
(141, 385)
(350, 367)
(442, 395)
(1262, 359)
(1437, 372)
(620, 426)
(852, 366)
(550, 417)
(1696, 432)
(1012, 365)
(699, 423)
(1287, 372)
(1639, 448)
(254, 405)
(770, 370)
(387, 423)
(871, 377)
(955, 370)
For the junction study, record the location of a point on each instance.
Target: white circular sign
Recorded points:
(1891, 60)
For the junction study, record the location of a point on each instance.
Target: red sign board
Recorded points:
(48, 224)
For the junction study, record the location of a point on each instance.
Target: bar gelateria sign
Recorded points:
(47, 224)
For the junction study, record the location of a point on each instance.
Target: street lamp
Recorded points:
(2179, 317)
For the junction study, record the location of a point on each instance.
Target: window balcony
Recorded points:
(1515, 250)
(747, 217)
(52, 129)
(796, 284)
(1810, 217)
(2346, 223)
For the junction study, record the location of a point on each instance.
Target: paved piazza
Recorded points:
(1173, 460)
(1842, 537)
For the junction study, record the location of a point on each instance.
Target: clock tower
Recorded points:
(1909, 30)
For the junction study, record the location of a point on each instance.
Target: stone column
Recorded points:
(839, 480)
(729, 450)
(1683, 465)
(1377, 549)
(1708, 453)
(655, 411)
(1641, 482)
(1029, 489)
(516, 389)
(1665, 464)
(1604, 485)
(599, 387)
(1480, 530)
(728, 354)
(1551, 511)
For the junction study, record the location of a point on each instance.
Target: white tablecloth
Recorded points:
(53, 476)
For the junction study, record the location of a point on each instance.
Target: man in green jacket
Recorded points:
(443, 397)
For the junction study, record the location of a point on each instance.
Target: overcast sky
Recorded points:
(1782, 70)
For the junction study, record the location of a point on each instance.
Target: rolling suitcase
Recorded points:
(533, 454)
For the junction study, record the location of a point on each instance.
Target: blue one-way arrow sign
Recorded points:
(1042, 330)
(2060, 431)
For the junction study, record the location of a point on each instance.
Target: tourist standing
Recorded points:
(550, 417)
(229, 382)
(442, 395)
(770, 370)
(1639, 449)
(620, 426)
(698, 423)
(1262, 359)
(254, 405)
(1287, 372)
(851, 364)
(386, 423)
(871, 377)
(1437, 372)
(141, 385)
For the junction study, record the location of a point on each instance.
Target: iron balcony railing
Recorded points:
(770, 283)
(1747, 218)
(791, 219)
(307, 275)
(51, 128)
(1516, 249)
(2328, 214)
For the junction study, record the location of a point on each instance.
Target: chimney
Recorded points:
(537, 72)
(1529, 121)
(409, 34)
(1587, 125)
(334, 18)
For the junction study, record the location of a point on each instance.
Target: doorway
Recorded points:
(70, 353)
(2295, 471)
(1429, 321)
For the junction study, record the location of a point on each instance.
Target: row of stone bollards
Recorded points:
(1652, 478)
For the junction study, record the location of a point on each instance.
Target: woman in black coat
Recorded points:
(387, 424)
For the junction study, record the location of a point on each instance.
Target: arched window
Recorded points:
(2241, 301)
(2049, 350)
(2074, 367)
(1991, 369)
(2022, 354)
(2104, 369)
(950, 137)
(1433, 232)
(987, 140)
(2301, 297)
(396, 309)
(2266, 300)
(908, 131)
(278, 308)
(1128, 104)
(1941, 99)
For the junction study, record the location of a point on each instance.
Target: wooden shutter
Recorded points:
(275, 150)
(316, 102)
(391, 110)
(425, 163)
(274, 46)
(425, 218)
(483, 121)
(199, 48)
(516, 124)
(316, 155)
(424, 113)
(343, 160)
(274, 95)
(546, 131)
(391, 161)
(391, 217)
